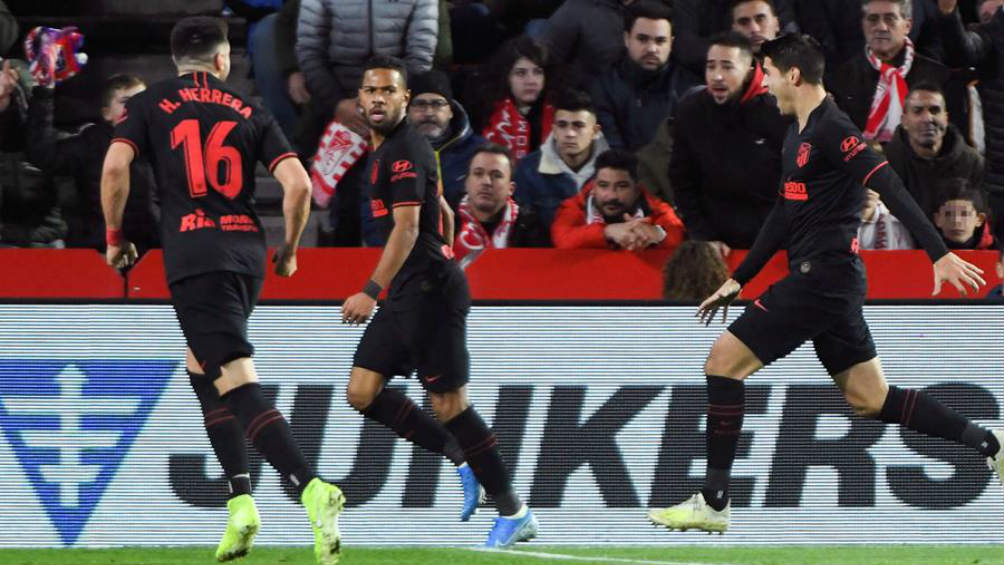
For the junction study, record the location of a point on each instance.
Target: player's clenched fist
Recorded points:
(121, 256)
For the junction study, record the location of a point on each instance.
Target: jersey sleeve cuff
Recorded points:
(128, 142)
(275, 162)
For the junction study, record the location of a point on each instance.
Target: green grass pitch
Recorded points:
(530, 554)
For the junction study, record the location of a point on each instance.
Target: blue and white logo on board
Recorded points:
(70, 424)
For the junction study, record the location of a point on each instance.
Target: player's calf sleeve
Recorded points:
(269, 432)
(918, 411)
(481, 451)
(726, 406)
(225, 435)
(395, 410)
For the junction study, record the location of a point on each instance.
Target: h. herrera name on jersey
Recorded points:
(70, 423)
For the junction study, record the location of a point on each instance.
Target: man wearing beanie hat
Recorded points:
(443, 121)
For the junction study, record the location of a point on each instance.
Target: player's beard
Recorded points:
(390, 121)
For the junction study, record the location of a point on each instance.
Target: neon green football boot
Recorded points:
(242, 527)
(692, 514)
(324, 502)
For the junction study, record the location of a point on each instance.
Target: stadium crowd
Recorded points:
(620, 124)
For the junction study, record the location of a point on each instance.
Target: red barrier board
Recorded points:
(57, 273)
(507, 274)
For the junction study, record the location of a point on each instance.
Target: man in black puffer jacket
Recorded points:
(644, 88)
(983, 47)
(726, 161)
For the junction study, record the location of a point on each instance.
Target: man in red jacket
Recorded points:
(614, 211)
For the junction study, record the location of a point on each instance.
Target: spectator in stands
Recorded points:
(8, 29)
(336, 37)
(29, 200)
(757, 20)
(697, 20)
(927, 149)
(513, 103)
(961, 217)
(585, 36)
(879, 229)
(487, 216)
(563, 164)
(277, 75)
(872, 86)
(614, 211)
(694, 272)
(81, 157)
(726, 161)
(836, 24)
(983, 48)
(443, 121)
(643, 88)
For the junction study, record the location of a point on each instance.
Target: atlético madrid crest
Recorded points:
(803, 154)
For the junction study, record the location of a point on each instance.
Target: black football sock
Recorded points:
(918, 411)
(225, 435)
(395, 410)
(481, 452)
(269, 433)
(726, 406)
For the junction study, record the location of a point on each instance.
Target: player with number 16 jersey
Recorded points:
(204, 141)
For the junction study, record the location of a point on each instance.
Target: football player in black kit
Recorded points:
(421, 326)
(825, 166)
(203, 140)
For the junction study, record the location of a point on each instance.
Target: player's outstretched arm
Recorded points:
(114, 193)
(295, 210)
(720, 299)
(957, 272)
(948, 267)
(358, 307)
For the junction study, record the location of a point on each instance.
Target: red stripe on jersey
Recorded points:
(872, 172)
(128, 142)
(275, 162)
(416, 203)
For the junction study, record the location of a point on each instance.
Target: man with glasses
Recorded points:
(444, 122)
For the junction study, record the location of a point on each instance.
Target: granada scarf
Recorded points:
(472, 235)
(509, 128)
(890, 94)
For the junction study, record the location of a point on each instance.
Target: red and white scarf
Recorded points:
(890, 94)
(472, 235)
(509, 128)
(338, 150)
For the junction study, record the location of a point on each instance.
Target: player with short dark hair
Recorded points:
(203, 140)
(421, 326)
(825, 165)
